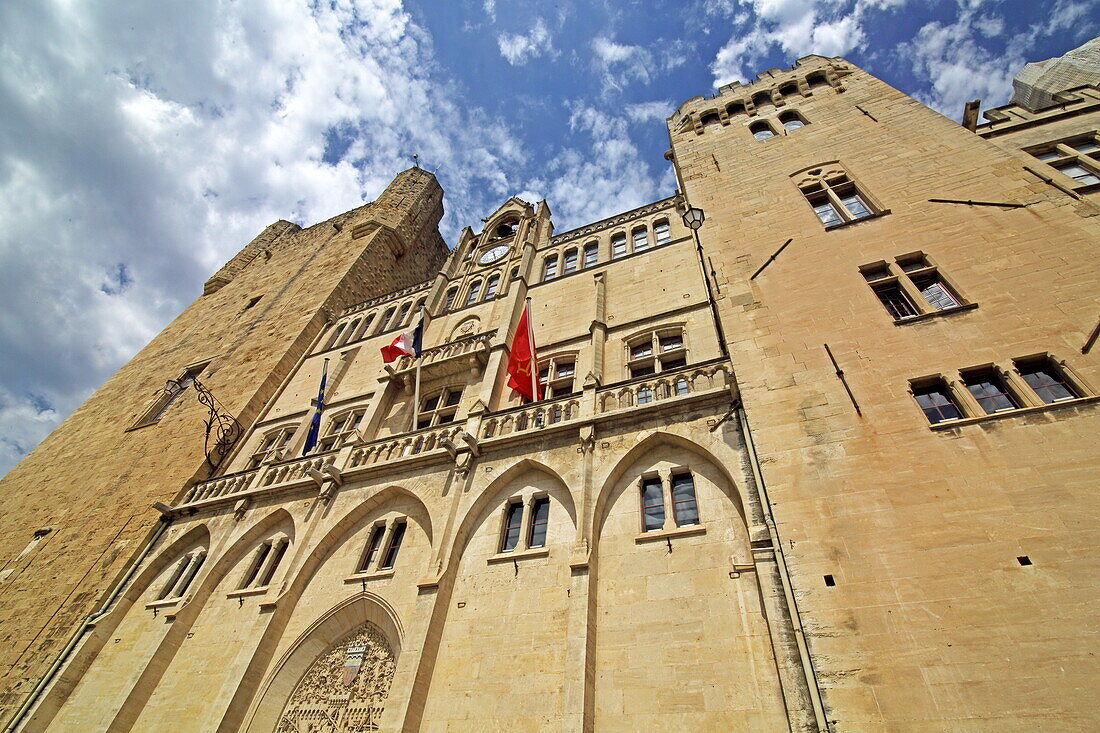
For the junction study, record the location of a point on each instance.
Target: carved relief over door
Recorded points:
(345, 689)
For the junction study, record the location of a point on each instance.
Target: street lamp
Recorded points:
(693, 218)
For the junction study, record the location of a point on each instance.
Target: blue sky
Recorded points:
(143, 143)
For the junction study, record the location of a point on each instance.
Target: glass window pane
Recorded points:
(896, 302)
(618, 245)
(827, 214)
(645, 395)
(431, 403)
(763, 134)
(453, 397)
(1048, 384)
(683, 500)
(937, 405)
(793, 124)
(854, 205)
(540, 517)
(936, 293)
(661, 230)
(681, 386)
(1048, 156)
(1085, 147)
(395, 545)
(671, 343)
(990, 393)
(512, 522)
(641, 240)
(640, 350)
(642, 370)
(591, 255)
(1080, 174)
(653, 504)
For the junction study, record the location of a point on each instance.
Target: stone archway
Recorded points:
(345, 688)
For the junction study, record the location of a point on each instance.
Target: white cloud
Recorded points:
(143, 144)
(649, 112)
(795, 27)
(619, 64)
(518, 49)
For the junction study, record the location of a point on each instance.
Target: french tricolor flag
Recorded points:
(409, 343)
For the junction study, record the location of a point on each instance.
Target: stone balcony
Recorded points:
(456, 442)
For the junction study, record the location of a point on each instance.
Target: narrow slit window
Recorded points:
(192, 570)
(450, 299)
(475, 290)
(491, 287)
(618, 246)
(397, 536)
(181, 567)
(569, 262)
(513, 520)
(653, 504)
(660, 229)
(540, 519)
(684, 507)
(257, 561)
(550, 268)
(272, 566)
(374, 543)
(641, 240)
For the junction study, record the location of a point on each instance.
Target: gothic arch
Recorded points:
(655, 440)
(186, 614)
(475, 514)
(106, 625)
(299, 579)
(333, 625)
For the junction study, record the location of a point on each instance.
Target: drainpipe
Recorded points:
(781, 563)
(88, 624)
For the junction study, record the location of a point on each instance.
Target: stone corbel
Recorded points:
(591, 381)
(240, 508)
(464, 461)
(579, 558)
(588, 438)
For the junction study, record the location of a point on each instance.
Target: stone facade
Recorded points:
(730, 511)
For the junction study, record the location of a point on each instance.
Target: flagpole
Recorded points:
(534, 361)
(416, 388)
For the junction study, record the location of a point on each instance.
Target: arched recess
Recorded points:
(178, 683)
(324, 570)
(678, 636)
(99, 675)
(333, 626)
(499, 661)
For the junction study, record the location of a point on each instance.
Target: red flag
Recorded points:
(523, 362)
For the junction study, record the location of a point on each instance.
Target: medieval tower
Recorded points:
(816, 451)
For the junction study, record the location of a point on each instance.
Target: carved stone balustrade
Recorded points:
(531, 417)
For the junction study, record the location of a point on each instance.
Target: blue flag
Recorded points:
(315, 423)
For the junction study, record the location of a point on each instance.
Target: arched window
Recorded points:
(791, 120)
(789, 89)
(439, 408)
(363, 329)
(618, 245)
(538, 509)
(550, 268)
(658, 351)
(660, 228)
(491, 286)
(186, 570)
(416, 308)
(681, 386)
(402, 315)
(641, 239)
(349, 332)
(265, 561)
(505, 229)
(761, 130)
(473, 292)
(272, 447)
(335, 336)
(591, 254)
(735, 108)
(645, 395)
(710, 118)
(761, 99)
(817, 79)
(569, 261)
(449, 299)
(383, 322)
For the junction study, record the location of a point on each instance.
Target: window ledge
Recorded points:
(166, 603)
(363, 577)
(1075, 402)
(860, 220)
(935, 314)
(521, 555)
(1087, 188)
(660, 535)
(245, 592)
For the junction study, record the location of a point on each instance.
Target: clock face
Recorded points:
(492, 255)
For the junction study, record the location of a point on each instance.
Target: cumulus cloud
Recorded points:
(145, 143)
(795, 27)
(960, 68)
(519, 48)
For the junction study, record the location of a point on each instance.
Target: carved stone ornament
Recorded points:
(466, 328)
(344, 689)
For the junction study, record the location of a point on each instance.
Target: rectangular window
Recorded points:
(513, 520)
(618, 246)
(1047, 381)
(653, 504)
(990, 391)
(936, 292)
(834, 197)
(671, 343)
(1079, 173)
(669, 364)
(641, 350)
(396, 538)
(661, 230)
(895, 300)
(374, 543)
(591, 254)
(641, 240)
(550, 268)
(450, 300)
(684, 508)
(277, 558)
(257, 561)
(935, 399)
(475, 288)
(570, 263)
(540, 519)
(1075, 158)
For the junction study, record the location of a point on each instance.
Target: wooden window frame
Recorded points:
(1065, 154)
(938, 384)
(443, 408)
